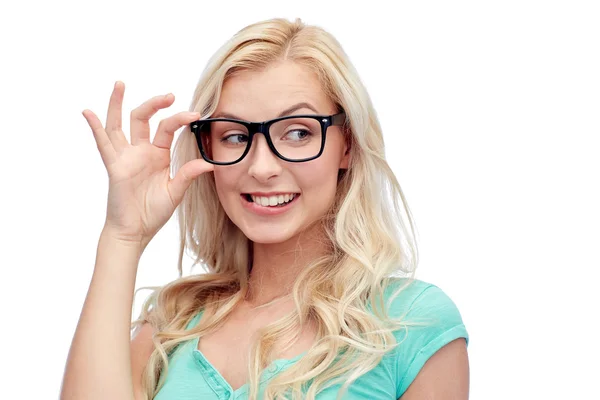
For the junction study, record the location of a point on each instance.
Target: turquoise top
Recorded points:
(191, 376)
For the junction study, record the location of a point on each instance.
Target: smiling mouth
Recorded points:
(271, 201)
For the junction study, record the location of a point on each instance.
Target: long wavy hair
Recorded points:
(369, 232)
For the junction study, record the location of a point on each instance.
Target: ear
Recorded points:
(345, 161)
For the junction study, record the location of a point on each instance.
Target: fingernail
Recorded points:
(168, 95)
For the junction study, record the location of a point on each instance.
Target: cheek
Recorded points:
(225, 181)
(319, 180)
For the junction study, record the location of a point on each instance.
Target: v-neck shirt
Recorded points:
(192, 377)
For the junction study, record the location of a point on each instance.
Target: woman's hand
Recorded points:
(141, 196)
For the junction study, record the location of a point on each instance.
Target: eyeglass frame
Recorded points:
(264, 127)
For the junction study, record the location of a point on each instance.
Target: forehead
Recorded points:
(261, 95)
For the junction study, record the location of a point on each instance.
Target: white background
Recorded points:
(490, 112)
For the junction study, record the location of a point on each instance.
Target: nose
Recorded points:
(264, 165)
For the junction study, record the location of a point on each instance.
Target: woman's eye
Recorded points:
(237, 138)
(297, 134)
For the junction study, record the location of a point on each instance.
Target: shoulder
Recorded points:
(141, 348)
(430, 320)
(421, 302)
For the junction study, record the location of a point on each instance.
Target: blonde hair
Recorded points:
(369, 230)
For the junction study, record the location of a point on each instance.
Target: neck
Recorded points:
(276, 266)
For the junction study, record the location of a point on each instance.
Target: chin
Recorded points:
(267, 235)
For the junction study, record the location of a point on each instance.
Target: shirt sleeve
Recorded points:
(442, 324)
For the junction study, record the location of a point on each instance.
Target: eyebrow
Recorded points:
(285, 112)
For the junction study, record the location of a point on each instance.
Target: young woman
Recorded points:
(284, 195)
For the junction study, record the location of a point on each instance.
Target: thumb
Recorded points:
(185, 176)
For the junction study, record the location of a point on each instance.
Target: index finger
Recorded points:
(140, 117)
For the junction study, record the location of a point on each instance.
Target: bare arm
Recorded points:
(445, 376)
(99, 363)
(141, 199)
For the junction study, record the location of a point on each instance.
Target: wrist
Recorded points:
(120, 239)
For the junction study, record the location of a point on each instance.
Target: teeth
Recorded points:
(273, 200)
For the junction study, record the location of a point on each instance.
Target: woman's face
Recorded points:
(263, 178)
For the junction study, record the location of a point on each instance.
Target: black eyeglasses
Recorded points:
(295, 138)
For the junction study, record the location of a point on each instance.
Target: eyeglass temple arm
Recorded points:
(338, 119)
